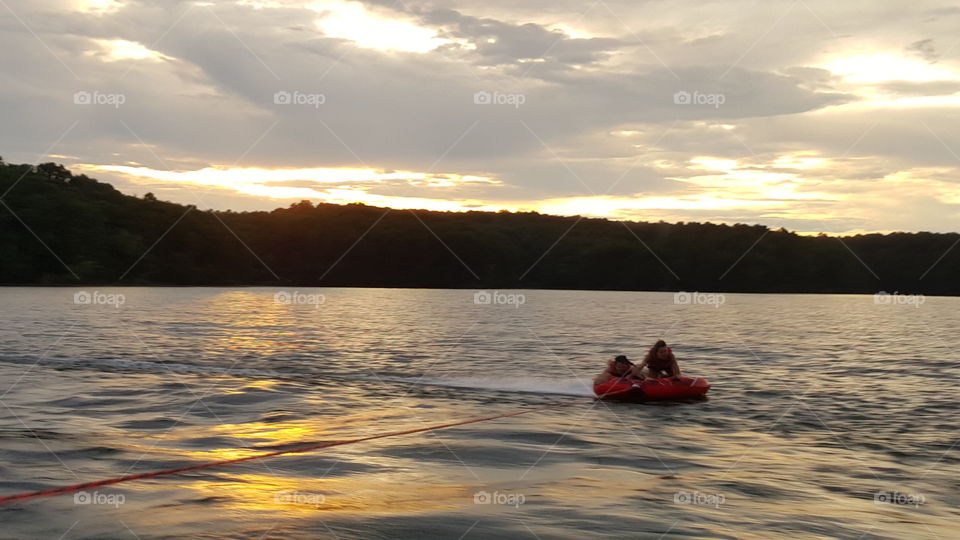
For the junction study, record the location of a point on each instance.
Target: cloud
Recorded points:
(925, 49)
(932, 88)
(494, 42)
(592, 112)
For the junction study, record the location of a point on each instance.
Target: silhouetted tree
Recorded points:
(54, 171)
(101, 233)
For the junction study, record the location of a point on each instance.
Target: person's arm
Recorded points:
(676, 369)
(642, 366)
(601, 378)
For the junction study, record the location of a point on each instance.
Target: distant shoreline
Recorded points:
(491, 289)
(66, 230)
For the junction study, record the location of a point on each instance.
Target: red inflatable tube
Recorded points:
(651, 389)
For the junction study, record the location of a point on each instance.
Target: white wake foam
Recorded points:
(567, 386)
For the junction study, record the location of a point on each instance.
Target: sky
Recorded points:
(816, 116)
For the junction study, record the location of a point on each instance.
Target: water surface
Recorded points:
(822, 407)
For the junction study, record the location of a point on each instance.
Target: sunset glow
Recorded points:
(881, 67)
(352, 21)
(509, 107)
(121, 49)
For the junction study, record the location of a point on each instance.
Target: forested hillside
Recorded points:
(60, 228)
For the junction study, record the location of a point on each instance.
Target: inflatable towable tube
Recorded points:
(651, 389)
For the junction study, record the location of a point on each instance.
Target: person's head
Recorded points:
(660, 350)
(621, 365)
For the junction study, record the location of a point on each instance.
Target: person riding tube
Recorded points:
(659, 362)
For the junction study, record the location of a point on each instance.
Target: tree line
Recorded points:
(57, 228)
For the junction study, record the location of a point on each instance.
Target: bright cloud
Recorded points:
(239, 178)
(351, 20)
(97, 6)
(880, 67)
(121, 49)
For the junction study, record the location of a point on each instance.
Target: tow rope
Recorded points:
(169, 472)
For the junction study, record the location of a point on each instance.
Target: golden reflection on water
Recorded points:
(263, 384)
(250, 322)
(277, 432)
(398, 490)
(267, 437)
(389, 493)
(256, 323)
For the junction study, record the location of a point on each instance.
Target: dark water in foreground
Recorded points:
(822, 408)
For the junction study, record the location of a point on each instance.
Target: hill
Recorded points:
(60, 228)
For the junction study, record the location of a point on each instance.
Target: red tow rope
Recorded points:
(309, 448)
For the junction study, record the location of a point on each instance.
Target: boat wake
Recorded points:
(529, 385)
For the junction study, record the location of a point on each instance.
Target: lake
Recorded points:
(830, 416)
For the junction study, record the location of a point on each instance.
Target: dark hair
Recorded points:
(656, 348)
(621, 360)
